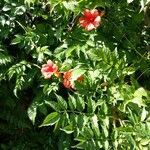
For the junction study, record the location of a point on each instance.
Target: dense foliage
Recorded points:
(97, 94)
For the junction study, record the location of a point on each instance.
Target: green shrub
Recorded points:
(66, 86)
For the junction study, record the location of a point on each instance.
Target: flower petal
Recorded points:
(90, 19)
(87, 13)
(90, 27)
(97, 21)
(94, 13)
(49, 69)
(49, 62)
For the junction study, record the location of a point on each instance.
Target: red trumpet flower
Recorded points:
(49, 69)
(91, 19)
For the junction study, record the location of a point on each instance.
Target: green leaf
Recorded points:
(68, 129)
(130, 1)
(144, 114)
(94, 55)
(29, 1)
(51, 119)
(145, 142)
(77, 73)
(81, 145)
(90, 43)
(140, 92)
(19, 84)
(61, 102)
(52, 104)
(69, 51)
(138, 101)
(105, 131)
(70, 5)
(49, 88)
(32, 111)
(95, 126)
(80, 121)
(88, 133)
(104, 107)
(42, 108)
(6, 8)
(80, 103)
(20, 10)
(16, 40)
(5, 59)
(72, 102)
(80, 139)
(91, 105)
(18, 69)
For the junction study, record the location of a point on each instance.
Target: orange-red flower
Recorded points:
(68, 80)
(91, 19)
(49, 69)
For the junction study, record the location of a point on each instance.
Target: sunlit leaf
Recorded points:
(32, 111)
(51, 119)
